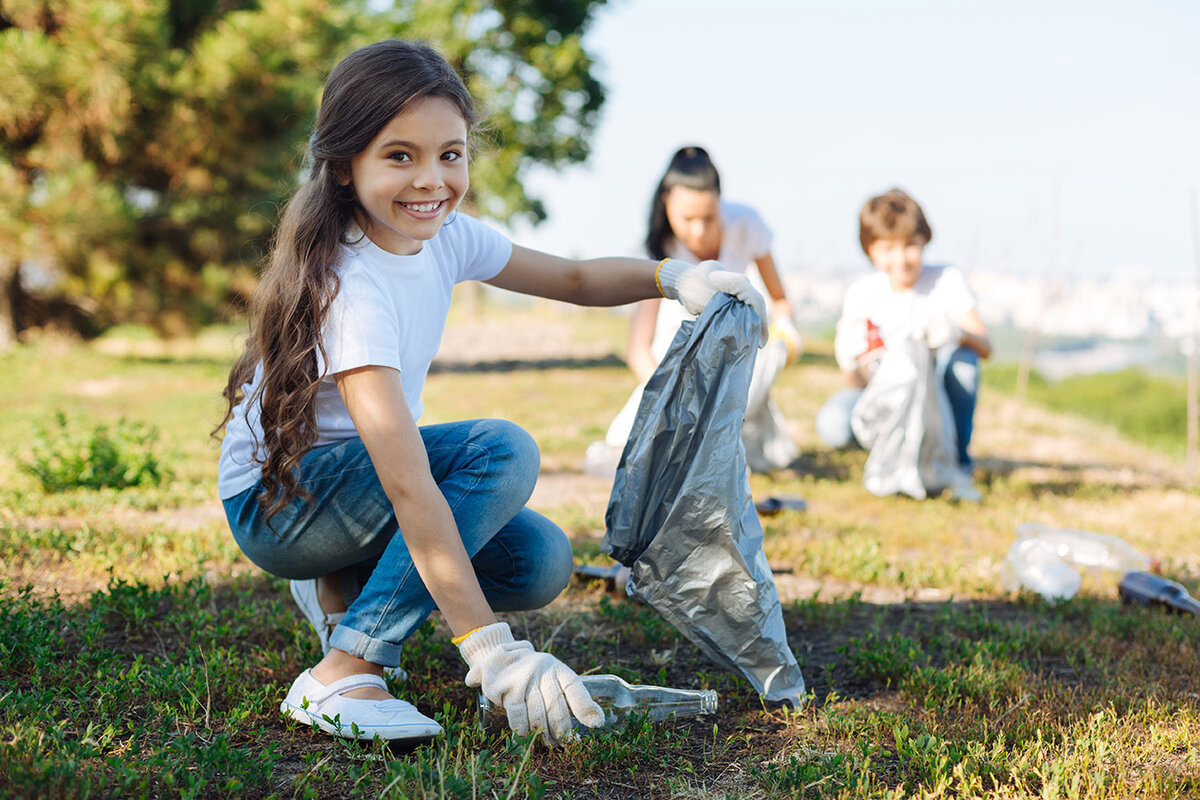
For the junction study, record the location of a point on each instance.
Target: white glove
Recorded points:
(536, 690)
(940, 331)
(694, 286)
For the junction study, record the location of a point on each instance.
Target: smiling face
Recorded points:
(899, 258)
(695, 219)
(412, 175)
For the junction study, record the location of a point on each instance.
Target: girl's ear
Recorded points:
(341, 174)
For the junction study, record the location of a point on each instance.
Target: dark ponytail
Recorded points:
(690, 168)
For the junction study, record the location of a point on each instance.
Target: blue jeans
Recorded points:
(959, 368)
(486, 470)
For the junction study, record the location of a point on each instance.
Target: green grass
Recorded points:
(1149, 409)
(142, 656)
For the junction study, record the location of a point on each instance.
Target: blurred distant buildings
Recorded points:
(1123, 308)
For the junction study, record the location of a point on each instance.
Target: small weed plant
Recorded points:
(67, 457)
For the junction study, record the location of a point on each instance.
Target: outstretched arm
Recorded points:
(975, 333)
(590, 282)
(616, 281)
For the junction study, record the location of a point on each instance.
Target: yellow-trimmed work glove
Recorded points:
(536, 690)
(785, 330)
(693, 285)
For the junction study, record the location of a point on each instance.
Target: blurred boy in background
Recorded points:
(905, 299)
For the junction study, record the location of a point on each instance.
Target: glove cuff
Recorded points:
(667, 276)
(483, 641)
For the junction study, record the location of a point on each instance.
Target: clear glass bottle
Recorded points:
(615, 576)
(619, 700)
(1147, 589)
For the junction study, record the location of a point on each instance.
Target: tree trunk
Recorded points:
(1193, 428)
(1193, 385)
(10, 303)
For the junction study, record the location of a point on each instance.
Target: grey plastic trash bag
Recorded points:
(903, 418)
(681, 515)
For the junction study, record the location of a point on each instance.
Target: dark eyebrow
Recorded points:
(412, 146)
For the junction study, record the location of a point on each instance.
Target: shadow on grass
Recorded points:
(519, 365)
(1075, 481)
(810, 359)
(224, 362)
(855, 650)
(825, 464)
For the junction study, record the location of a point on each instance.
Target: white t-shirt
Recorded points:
(744, 239)
(390, 311)
(938, 291)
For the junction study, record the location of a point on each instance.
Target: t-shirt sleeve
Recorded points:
(850, 337)
(481, 252)
(366, 336)
(759, 235)
(748, 236)
(956, 295)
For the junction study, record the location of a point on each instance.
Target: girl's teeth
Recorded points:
(422, 206)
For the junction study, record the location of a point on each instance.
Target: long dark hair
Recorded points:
(690, 168)
(288, 310)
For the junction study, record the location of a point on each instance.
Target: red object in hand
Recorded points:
(874, 349)
(874, 340)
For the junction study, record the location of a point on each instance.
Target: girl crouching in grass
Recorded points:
(326, 477)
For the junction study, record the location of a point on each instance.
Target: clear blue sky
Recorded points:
(1025, 129)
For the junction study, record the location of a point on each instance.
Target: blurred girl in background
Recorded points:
(690, 221)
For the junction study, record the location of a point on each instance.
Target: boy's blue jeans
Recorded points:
(959, 368)
(486, 470)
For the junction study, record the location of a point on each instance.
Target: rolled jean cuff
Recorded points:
(360, 645)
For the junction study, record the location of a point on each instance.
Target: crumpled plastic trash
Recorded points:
(1045, 559)
(681, 516)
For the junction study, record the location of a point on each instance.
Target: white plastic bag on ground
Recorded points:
(681, 515)
(1041, 559)
(1086, 548)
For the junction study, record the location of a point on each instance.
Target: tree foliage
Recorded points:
(147, 145)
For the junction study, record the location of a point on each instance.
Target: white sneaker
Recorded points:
(963, 490)
(311, 702)
(305, 594)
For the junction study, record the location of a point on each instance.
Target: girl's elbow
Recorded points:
(408, 491)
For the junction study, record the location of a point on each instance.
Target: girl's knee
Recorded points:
(519, 450)
(556, 569)
(549, 569)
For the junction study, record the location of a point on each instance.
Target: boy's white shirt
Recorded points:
(939, 292)
(390, 311)
(744, 239)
